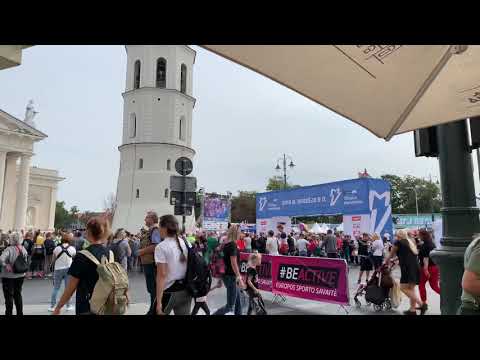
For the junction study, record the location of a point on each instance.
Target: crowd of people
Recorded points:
(163, 253)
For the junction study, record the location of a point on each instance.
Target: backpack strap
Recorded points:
(91, 257)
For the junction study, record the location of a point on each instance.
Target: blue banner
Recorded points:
(342, 197)
(349, 197)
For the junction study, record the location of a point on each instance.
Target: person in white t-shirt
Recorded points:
(62, 260)
(302, 246)
(378, 250)
(171, 259)
(248, 243)
(272, 244)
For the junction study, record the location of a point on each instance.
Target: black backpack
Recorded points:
(20, 264)
(198, 279)
(28, 244)
(49, 246)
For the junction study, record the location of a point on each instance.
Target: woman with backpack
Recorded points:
(14, 263)
(49, 245)
(62, 260)
(121, 248)
(83, 271)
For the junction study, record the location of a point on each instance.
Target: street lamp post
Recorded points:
(291, 165)
(416, 198)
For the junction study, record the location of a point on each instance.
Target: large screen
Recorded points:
(216, 208)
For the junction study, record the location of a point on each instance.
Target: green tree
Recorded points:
(396, 198)
(244, 207)
(62, 217)
(403, 194)
(276, 183)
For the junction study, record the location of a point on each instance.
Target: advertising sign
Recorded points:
(275, 224)
(215, 225)
(216, 208)
(349, 197)
(264, 271)
(356, 225)
(317, 279)
(342, 197)
(415, 220)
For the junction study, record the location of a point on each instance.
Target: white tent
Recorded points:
(324, 228)
(387, 89)
(316, 229)
(340, 227)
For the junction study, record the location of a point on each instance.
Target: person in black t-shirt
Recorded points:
(261, 244)
(254, 295)
(83, 272)
(406, 251)
(232, 278)
(365, 260)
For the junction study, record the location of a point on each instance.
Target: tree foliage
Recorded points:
(244, 207)
(403, 195)
(277, 183)
(62, 216)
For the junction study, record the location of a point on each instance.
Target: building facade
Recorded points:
(28, 194)
(157, 130)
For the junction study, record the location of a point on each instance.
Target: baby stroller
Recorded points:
(377, 289)
(256, 306)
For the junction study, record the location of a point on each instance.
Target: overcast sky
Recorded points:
(242, 123)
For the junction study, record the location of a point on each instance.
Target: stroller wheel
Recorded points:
(357, 303)
(388, 304)
(378, 308)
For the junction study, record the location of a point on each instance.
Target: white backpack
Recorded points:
(110, 295)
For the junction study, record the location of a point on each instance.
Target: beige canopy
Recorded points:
(388, 89)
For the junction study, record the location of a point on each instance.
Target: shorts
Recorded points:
(365, 264)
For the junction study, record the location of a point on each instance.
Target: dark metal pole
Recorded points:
(459, 212)
(478, 161)
(284, 172)
(184, 196)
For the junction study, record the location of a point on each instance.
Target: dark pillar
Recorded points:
(459, 212)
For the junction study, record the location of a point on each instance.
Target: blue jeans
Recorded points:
(150, 271)
(58, 276)
(233, 297)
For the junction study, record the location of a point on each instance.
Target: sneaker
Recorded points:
(69, 308)
(51, 309)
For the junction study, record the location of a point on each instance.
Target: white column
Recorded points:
(22, 192)
(53, 203)
(9, 192)
(3, 166)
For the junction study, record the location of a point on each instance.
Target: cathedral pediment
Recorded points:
(11, 125)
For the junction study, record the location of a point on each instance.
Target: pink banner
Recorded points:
(312, 278)
(264, 271)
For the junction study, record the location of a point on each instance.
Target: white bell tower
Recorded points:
(157, 130)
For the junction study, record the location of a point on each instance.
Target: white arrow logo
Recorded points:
(334, 199)
(373, 218)
(262, 203)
